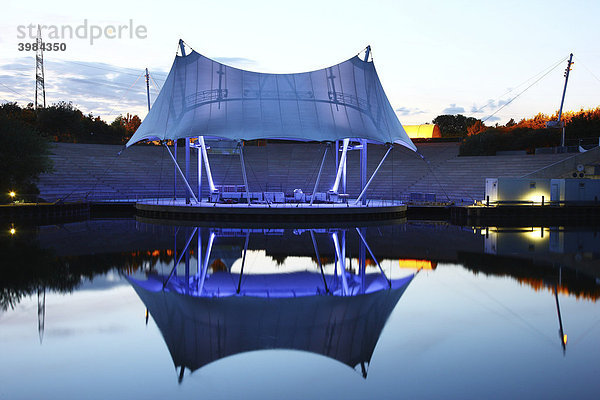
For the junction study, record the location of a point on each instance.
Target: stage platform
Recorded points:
(178, 210)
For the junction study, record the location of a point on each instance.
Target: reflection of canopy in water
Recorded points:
(200, 330)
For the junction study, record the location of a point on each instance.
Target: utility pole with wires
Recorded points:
(560, 123)
(40, 90)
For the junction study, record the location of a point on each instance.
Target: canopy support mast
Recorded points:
(344, 175)
(187, 167)
(199, 171)
(187, 185)
(187, 143)
(204, 155)
(209, 177)
(175, 170)
(244, 171)
(363, 166)
(341, 166)
(337, 154)
(373, 176)
(363, 149)
(312, 197)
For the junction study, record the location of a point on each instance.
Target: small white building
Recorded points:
(517, 190)
(574, 190)
(541, 190)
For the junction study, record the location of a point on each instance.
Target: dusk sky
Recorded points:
(433, 57)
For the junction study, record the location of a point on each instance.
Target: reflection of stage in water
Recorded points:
(205, 316)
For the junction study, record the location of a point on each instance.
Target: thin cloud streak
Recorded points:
(98, 88)
(453, 109)
(406, 111)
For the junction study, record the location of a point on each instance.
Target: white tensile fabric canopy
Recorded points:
(202, 97)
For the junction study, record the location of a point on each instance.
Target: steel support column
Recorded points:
(363, 167)
(362, 193)
(244, 172)
(312, 197)
(341, 166)
(199, 170)
(209, 177)
(187, 167)
(177, 169)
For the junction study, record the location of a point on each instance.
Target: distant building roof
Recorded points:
(424, 131)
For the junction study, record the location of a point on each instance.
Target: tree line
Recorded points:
(527, 134)
(25, 134)
(29, 267)
(63, 122)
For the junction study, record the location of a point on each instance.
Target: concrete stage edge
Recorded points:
(288, 212)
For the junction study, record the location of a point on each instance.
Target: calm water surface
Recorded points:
(96, 310)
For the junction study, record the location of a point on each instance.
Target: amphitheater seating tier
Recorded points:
(96, 172)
